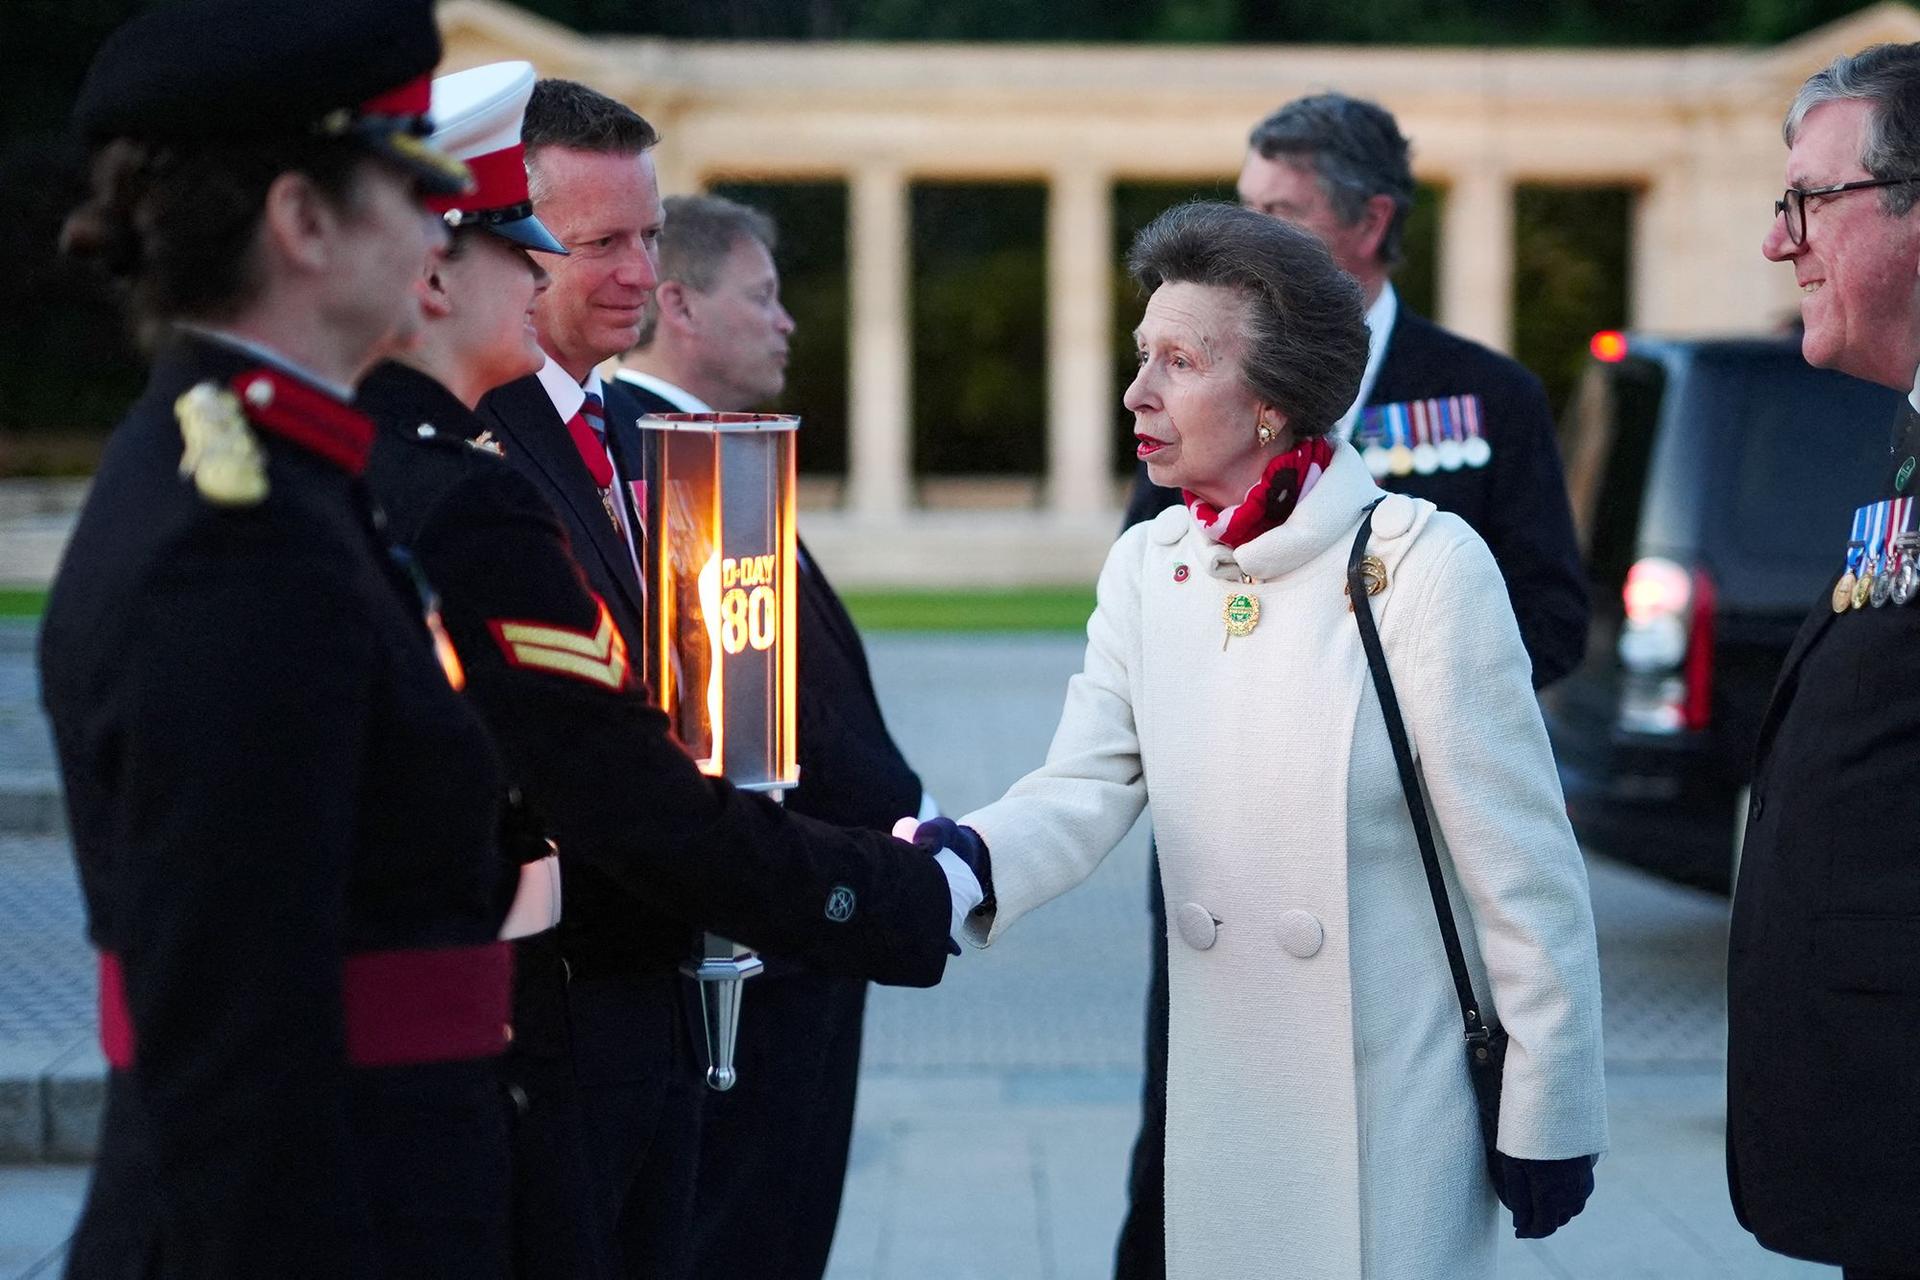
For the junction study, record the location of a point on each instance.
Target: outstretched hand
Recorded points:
(962, 855)
(1544, 1195)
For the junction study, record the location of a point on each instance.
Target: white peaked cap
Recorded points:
(478, 111)
(477, 116)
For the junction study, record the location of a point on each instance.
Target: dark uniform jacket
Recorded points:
(587, 750)
(1517, 502)
(787, 1125)
(606, 930)
(267, 773)
(1823, 982)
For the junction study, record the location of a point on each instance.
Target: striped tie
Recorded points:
(594, 414)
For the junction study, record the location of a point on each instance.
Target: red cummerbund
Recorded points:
(441, 1004)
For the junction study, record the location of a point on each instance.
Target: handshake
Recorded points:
(962, 856)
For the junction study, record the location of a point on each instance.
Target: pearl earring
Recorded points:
(1263, 433)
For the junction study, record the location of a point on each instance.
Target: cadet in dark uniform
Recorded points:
(1823, 967)
(555, 680)
(1438, 417)
(283, 812)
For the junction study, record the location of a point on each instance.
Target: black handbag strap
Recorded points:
(1476, 1026)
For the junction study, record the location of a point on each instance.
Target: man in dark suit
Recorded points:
(774, 1149)
(633, 1020)
(1823, 973)
(1438, 417)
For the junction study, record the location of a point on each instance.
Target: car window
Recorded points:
(1805, 448)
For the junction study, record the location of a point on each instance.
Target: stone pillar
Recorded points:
(1080, 394)
(1662, 290)
(879, 374)
(1476, 257)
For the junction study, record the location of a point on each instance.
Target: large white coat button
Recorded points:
(1300, 933)
(1393, 517)
(1197, 925)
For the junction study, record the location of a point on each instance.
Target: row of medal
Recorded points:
(1883, 556)
(1420, 437)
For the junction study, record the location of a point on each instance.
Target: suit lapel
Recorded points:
(1400, 368)
(1783, 688)
(533, 431)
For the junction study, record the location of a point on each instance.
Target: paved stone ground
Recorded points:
(997, 1110)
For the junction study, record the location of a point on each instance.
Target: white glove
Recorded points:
(963, 887)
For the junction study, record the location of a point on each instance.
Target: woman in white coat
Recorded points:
(1320, 1118)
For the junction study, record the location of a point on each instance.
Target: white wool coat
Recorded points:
(1320, 1122)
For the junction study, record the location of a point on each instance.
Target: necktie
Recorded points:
(596, 416)
(589, 430)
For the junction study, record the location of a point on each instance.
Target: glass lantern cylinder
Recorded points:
(723, 605)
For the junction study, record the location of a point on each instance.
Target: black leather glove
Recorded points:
(1544, 1195)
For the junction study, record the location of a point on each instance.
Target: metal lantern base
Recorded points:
(720, 970)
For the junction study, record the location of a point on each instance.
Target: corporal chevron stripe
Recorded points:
(599, 658)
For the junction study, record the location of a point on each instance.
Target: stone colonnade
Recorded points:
(1694, 132)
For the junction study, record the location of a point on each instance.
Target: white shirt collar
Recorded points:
(566, 394)
(1380, 318)
(679, 397)
(267, 355)
(1913, 396)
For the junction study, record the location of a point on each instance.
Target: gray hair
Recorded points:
(566, 113)
(1306, 334)
(1887, 78)
(695, 240)
(1354, 148)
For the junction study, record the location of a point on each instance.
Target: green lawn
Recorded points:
(22, 602)
(1022, 609)
(1019, 609)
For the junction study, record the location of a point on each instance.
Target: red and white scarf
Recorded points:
(1271, 500)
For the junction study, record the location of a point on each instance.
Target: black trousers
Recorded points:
(554, 1235)
(1141, 1253)
(642, 1087)
(773, 1149)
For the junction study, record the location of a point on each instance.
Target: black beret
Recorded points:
(245, 70)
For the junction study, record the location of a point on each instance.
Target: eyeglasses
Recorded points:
(1793, 204)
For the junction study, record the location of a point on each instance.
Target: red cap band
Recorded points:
(414, 98)
(500, 181)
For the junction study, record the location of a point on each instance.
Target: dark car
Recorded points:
(1713, 483)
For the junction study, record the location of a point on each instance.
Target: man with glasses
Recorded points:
(1438, 417)
(1823, 975)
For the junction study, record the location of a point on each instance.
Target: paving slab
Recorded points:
(37, 1208)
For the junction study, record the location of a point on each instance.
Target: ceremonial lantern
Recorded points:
(717, 493)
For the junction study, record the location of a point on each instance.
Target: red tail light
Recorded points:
(1698, 707)
(1666, 646)
(1656, 588)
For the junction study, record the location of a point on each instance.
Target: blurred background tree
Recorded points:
(67, 367)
